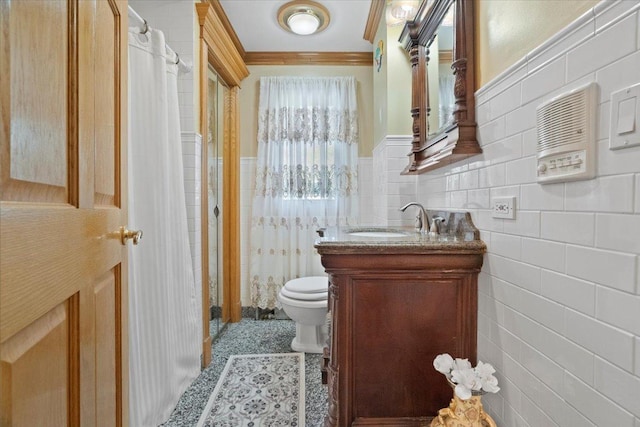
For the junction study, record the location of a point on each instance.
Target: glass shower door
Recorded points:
(215, 137)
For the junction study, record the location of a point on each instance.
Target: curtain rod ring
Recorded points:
(145, 27)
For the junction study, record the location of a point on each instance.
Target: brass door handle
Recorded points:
(125, 235)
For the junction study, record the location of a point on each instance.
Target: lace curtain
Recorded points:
(306, 176)
(447, 99)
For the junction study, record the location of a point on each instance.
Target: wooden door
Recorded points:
(63, 289)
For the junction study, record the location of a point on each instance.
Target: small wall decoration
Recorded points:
(378, 54)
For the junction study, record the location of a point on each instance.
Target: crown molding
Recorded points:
(375, 14)
(217, 7)
(308, 58)
(223, 55)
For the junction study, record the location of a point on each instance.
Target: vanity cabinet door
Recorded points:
(399, 326)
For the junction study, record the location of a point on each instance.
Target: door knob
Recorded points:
(125, 235)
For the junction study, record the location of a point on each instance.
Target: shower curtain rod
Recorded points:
(142, 23)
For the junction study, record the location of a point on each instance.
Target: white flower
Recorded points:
(462, 364)
(443, 363)
(462, 392)
(484, 369)
(465, 377)
(490, 384)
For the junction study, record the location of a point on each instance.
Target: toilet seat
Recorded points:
(314, 288)
(298, 303)
(316, 296)
(308, 285)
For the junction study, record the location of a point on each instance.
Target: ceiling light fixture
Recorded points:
(399, 11)
(303, 17)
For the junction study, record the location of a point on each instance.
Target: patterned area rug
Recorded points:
(257, 390)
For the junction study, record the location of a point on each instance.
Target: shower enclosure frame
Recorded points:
(219, 49)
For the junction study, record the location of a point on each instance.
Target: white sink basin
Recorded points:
(377, 234)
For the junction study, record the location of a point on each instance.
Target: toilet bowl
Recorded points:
(304, 300)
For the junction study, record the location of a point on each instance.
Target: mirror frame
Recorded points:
(456, 141)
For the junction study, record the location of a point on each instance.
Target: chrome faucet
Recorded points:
(422, 219)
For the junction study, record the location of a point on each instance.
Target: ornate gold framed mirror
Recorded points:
(440, 42)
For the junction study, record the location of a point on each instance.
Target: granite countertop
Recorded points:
(458, 236)
(342, 239)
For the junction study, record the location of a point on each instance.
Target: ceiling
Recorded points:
(256, 24)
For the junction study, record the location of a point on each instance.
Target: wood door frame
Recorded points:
(218, 49)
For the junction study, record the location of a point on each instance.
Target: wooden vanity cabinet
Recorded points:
(390, 315)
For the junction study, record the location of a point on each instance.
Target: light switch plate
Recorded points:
(503, 207)
(624, 129)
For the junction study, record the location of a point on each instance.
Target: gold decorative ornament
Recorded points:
(463, 413)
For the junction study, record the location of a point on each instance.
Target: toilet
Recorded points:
(304, 300)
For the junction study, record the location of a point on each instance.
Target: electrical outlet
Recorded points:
(503, 207)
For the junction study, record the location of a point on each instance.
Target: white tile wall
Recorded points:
(547, 79)
(569, 291)
(526, 223)
(594, 405)
(613, 269)
(492, 176)
(613, 162)
(191, 161)
(618, 75)
(618, 309)
(578, 228)
(618, 232)
(504, 150)
(517, 273)
(558, 411)
(506, 101)
(477, 199)
(491, 131)
(529, 142)
(548, 197)
(508, 246)
(365, 190)
(543, 368)
(544, 253)
(617, 385)
(469, 180)
(611, 44)
(522, 171)
(605, 194)
(606, 341)
(637, 194)
(636, 369)
(560, 287)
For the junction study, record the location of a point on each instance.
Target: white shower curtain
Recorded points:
(164, 327)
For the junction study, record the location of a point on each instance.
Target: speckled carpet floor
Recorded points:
(251, 337)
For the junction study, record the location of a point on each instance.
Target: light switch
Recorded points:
(627, 115)
(625, 118)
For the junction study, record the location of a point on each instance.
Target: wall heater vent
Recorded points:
(566, 128)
